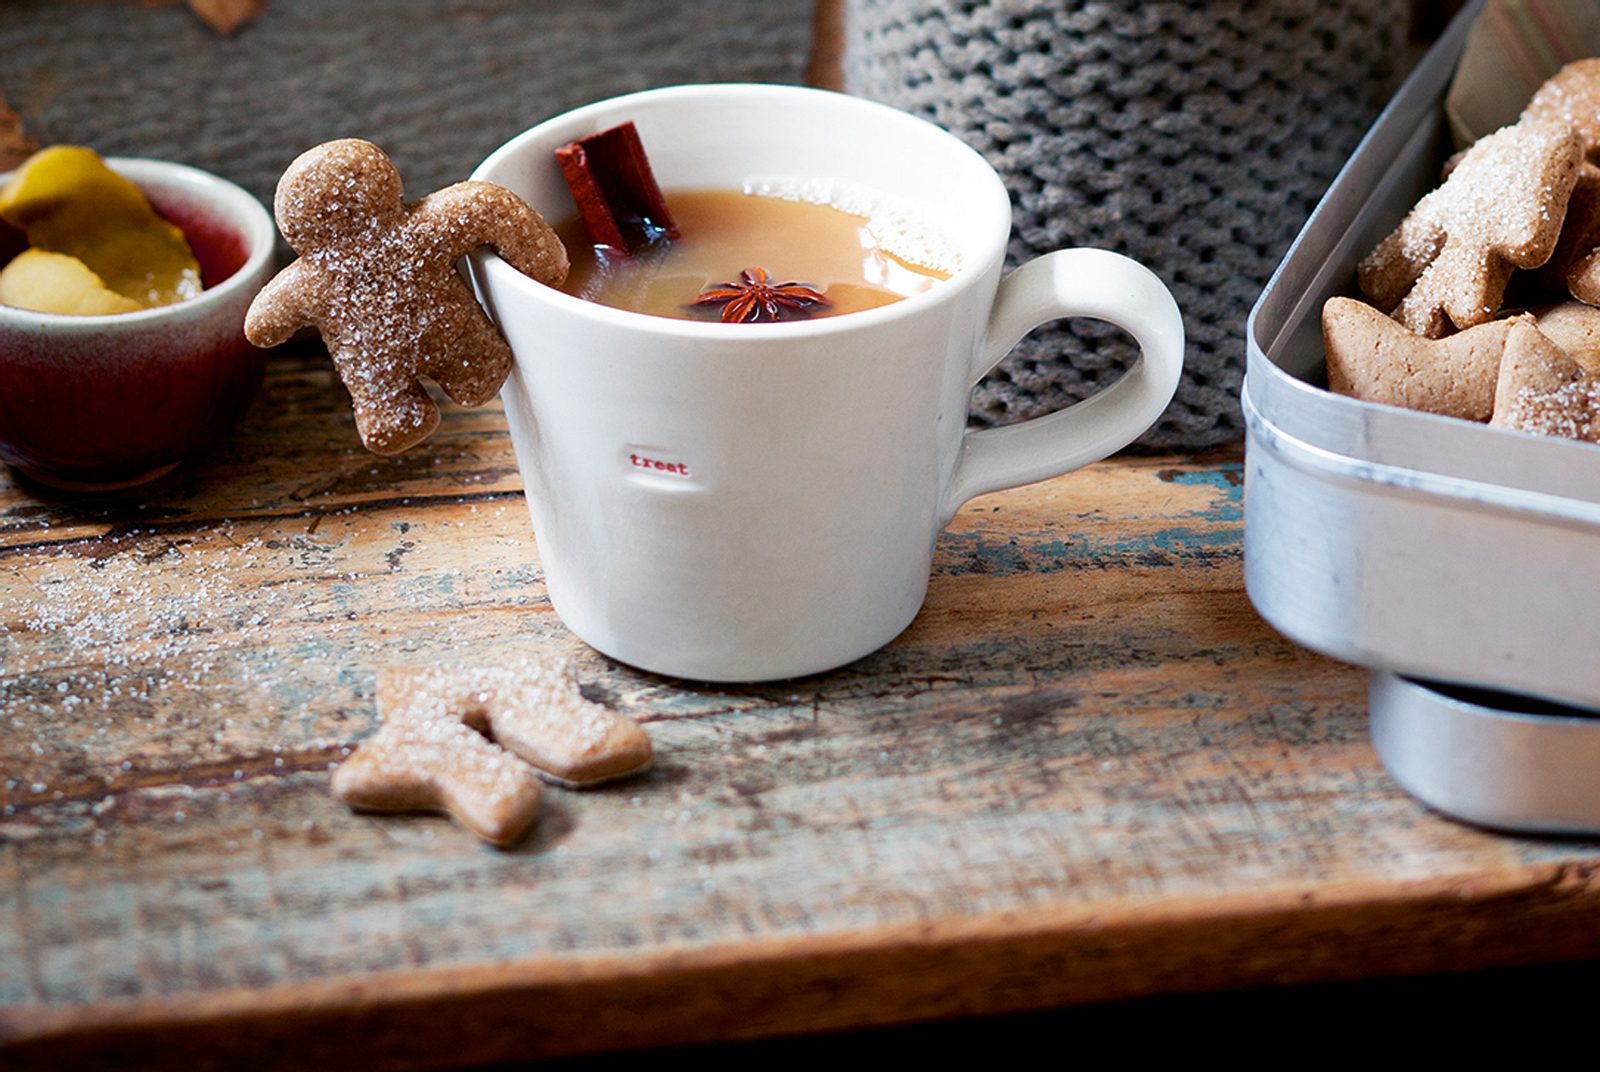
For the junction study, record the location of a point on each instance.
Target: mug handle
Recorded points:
(1074, 282)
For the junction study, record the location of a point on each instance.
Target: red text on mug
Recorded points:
(656, 465)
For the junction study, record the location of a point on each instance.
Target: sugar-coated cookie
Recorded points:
(1571, 97)
(474, 741)
(434, 759)
(377, 276)
(1574, 266)
(1446, 266)
(1375, 359)
(1544, 391)
(1575, 327)
(534, 708)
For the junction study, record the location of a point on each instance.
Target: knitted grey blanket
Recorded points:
(1194, 137)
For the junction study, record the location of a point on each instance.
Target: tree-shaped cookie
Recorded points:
(377, 277)
(435, 757)
(1572, 97)
(1501, 209)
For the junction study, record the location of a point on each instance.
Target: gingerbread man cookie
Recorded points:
(377, 277)
(1446, 266)
(434, 750)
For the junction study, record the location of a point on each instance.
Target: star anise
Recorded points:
(756, 298)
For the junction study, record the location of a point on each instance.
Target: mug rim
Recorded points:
(972, 270)
(240, 210)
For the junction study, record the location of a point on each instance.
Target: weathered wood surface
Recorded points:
(1087, 770)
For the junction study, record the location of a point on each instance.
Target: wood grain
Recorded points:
(1086, 771)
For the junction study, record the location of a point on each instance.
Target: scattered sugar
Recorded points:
(101, 638)
(901, 228)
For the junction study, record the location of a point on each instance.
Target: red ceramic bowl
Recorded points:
(99, 402)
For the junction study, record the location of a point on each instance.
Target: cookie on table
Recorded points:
(534, 708)
(1375, 359)
(377, 277)
(476, 741)
(1447, 265)
(1544, 391)
(434, 758)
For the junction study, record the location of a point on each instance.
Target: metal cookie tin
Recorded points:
(1397, 540)
(1487, 758)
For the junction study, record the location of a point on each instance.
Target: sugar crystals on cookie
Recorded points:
(475, 741)
(1572, 97)
(1544, 391)
(430, 757)
(377, 277)
(534, 708)
(1447, 265)
(1526, 196)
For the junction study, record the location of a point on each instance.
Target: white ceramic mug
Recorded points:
(741, 502)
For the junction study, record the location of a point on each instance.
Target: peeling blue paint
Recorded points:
(345, 596)
(1226, 479)
(435, 589)
(1178, 540)
(514, 577)
(1211, 533)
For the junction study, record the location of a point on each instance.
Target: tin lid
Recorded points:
(1490, 758)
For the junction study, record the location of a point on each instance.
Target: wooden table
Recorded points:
(1087, 771)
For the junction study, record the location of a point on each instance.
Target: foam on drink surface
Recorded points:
(901, 228)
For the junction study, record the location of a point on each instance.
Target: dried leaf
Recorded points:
(15, 144)
(226, 16)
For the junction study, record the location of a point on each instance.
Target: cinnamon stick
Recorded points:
(615, 190)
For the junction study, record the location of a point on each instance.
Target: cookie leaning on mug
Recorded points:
(377, 277)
